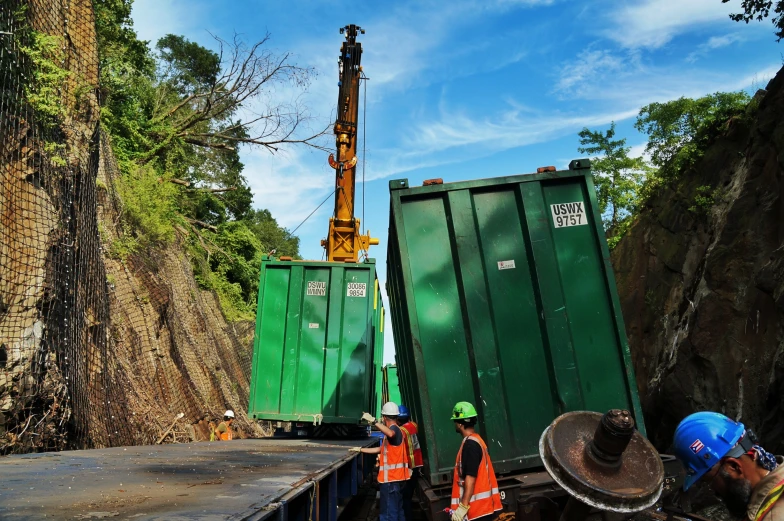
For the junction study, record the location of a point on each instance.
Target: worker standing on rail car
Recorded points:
(719, 452)
(393, 469)
(414, 453)
(475, 494)
(223, 430)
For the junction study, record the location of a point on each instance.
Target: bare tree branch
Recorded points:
(248, 75)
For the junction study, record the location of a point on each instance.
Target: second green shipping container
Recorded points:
(501, 294)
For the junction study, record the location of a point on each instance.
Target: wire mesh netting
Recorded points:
(94, 351)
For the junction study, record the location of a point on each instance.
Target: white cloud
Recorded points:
(713, 43)
(587, 66)
(289, 190)
(653, 23)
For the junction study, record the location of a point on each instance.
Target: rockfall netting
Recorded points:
(93, 351)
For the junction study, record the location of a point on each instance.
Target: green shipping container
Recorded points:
(314, 353)
(502, 294)
(379, 353)
(391, 386)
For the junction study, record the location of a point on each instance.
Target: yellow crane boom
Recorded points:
(345, 242)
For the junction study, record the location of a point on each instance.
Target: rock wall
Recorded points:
(702, 287)
(94, 351)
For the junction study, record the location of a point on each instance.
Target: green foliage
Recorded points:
(148, 207)
(616, 234)
(759, 10)
(228, 263)
(187, 65)
(679, 131)
(43, 91)
(617, 177)
(704, 199)
(171, 119)
(272, 236)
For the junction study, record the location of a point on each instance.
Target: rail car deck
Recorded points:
(286, 480)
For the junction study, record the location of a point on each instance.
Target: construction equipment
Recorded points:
(602, 462)
(318, 346)
(345, 242)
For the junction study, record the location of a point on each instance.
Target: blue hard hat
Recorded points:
(404, 413)
(702, 439)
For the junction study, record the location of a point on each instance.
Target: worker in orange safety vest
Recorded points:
(393, 466)
(475, 494)
(223, 431)
(414, 452)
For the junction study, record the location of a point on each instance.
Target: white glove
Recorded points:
(368, 418)
(355, 449)
(461, 513)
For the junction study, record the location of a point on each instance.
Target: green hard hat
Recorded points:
(463, 410)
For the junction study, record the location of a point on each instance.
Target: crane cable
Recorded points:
(291, 233)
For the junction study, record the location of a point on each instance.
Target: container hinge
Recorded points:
(317, 419)
(580, 164)
(398, 184)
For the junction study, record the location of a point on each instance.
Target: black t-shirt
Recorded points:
(397, 439)
(471, 458)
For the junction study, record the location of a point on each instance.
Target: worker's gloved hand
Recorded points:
(368, 418)
(460, 513)
(355, 449)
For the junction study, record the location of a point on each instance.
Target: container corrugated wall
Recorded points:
(391, 385)
(314, 350)
(379, 352)
(502, 294)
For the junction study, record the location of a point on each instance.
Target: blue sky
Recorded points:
(472, 89)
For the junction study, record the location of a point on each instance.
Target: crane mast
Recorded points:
(345, 242)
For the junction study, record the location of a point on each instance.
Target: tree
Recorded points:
(272, 236)
(617, 176)
(201, 92)
(680, 130)
(759, 10)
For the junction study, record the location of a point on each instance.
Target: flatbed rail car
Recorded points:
(281, 479)
(501, 293)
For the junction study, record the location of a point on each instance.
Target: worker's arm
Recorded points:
(468, 490)
(389, 433)
(370, 450)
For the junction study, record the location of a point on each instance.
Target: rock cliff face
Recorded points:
(702, 286)
(94, 351)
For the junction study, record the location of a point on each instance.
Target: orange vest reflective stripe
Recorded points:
(412, 430)
(486, 498)
(409, 446)
(393, 462)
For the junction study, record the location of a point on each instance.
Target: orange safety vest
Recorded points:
(409, 447)
(225, 436)
(411, 429)
(393, 462)
(487, 498)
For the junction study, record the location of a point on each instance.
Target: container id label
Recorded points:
(568, 214)
(356, 289)
(313, 325)
(506, 265)
(317, 289)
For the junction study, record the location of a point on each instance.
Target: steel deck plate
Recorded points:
(241, 479)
